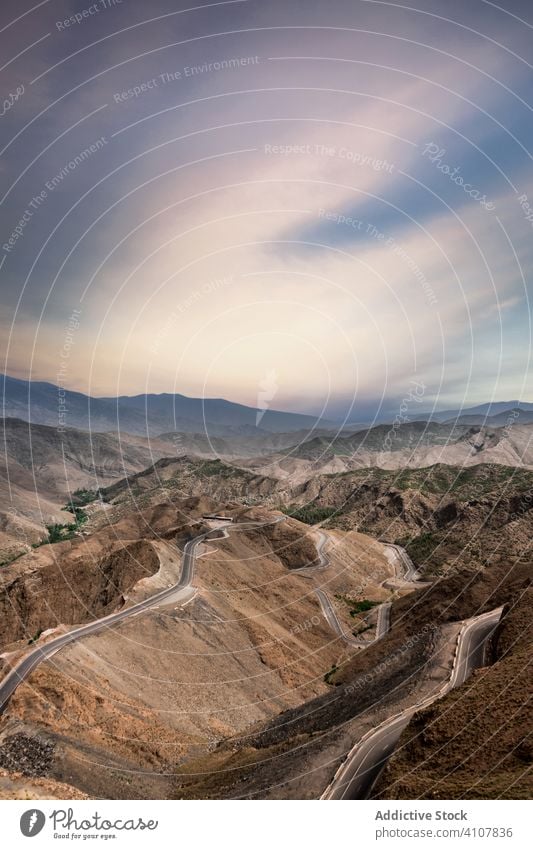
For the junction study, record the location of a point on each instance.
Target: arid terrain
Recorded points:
(248, 687)
(42, 466)
(476, 742)
(252, 641)
(411, 445)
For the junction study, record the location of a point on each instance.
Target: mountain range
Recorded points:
(144, 415)
(493, 412)
(151, 414)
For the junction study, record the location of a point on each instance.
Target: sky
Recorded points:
(319, 207)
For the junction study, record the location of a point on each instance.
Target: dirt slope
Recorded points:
(123, 708)
(296, 755)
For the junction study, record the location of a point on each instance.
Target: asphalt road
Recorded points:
(356, 776)
(411, 574)
(322, 560)
(383, 620)
(180, 592)
(383, 612)
(330, 614)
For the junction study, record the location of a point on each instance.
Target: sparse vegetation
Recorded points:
(79, 514)
(362, 606)
(357, 631)
(328, 676)
(421, 548)
(464, 483)
(35, 637)
(12, 559)
(357, 607)
(211, 468)
(311, 514)
(84, 496)
(58, 532)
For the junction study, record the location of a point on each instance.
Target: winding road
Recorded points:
(356, 776)
(411, 573)
(180, 592)
(411, 576)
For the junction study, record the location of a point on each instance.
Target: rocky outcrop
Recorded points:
(68, 583)
(28, 755)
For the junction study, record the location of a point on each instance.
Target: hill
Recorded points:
(409, 445)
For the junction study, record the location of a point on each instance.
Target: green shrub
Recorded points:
(35, 637)
(84, 496)
(328, 676)
(362, 606)
(357, 607)
(310, 513)
(59, 533)
(210, 468)
(79, 514)
(421, 548)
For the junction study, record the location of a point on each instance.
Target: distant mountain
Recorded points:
(151, 415)
(409, 445)
(143, 415)
(382, 437)
(493, 413)
(507, 417)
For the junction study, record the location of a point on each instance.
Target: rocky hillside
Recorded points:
(69, 583)
(41, 466)
(296, 755)
(15, 785)
(167, 685)
(61, 461)
(410, 445)
(444, 516)
(185, 476)
(476, 742)
(87, 576)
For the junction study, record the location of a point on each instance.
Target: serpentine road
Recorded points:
(356, 776)
(411, 573)
(383, 612)
(180, 592)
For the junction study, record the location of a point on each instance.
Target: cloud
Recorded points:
(261, 176)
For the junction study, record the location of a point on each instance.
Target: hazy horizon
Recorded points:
(390, 408)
